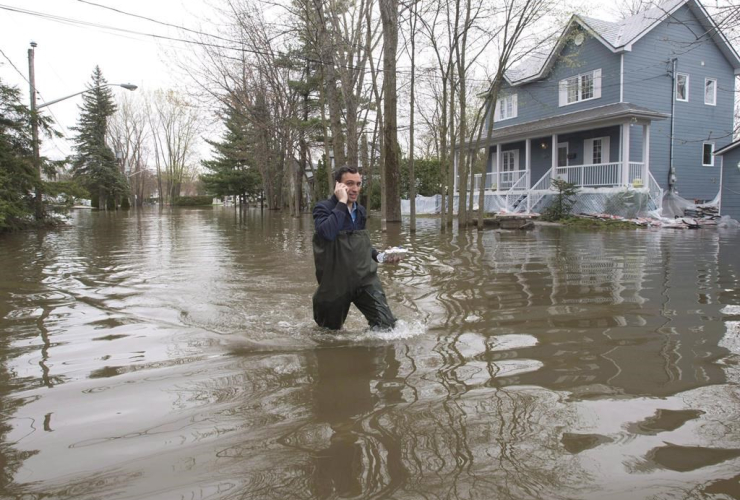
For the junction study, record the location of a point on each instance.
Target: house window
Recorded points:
(710, 91)
(580, 88)
(508, 161)
(572, 84)
(597, 151)
(587, 86)
(707, 158)
(506, 107)
(682, 87)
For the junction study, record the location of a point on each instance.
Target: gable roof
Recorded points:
(619, 36)
(600, 116)
(727, 148)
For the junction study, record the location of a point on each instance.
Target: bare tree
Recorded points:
(130, 137)
(175, 127)
(391, 166)
(413, 20)
(517, 19)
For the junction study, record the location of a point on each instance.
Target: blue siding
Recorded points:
(539, 99)
(648, 83)
(730, 183)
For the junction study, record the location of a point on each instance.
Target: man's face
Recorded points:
(354, 184)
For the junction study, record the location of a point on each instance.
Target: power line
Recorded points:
(14, 67)
(156, 21)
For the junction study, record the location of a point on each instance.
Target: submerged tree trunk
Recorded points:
(391, 170)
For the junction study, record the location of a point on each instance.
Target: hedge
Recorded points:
(193, 201)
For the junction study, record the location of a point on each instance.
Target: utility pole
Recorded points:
(35, 132)
(671, 166)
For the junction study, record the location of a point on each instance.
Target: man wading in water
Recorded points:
(346, 262)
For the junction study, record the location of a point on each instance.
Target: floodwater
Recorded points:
(172, 355)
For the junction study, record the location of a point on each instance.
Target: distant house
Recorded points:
(729, 163)
(599, 108)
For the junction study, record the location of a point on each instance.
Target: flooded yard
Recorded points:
(173, 355)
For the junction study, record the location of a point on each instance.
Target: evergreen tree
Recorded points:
(94, 162)
(18, 177)
(231, 172)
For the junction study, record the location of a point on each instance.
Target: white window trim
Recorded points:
(595, 82)
(588, 145)
(714, 97)
(501, 105)
(514, 160)
(711, 156)
(687, 87)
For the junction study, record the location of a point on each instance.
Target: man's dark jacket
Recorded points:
(331, 216)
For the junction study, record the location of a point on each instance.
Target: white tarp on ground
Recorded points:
(429, 205)
(628, 203)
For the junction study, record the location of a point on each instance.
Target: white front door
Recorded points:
(563, 154)
(509, 163)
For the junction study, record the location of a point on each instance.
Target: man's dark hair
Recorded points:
(344, 170)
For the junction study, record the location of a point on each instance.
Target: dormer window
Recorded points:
(581, 87)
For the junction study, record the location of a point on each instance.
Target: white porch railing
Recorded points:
(637, 174)
(490, 181)
(498, 181)
(599, 175)
(596, 175)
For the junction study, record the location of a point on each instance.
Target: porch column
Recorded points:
(498, 166)
(527, 157)
(646, 153)
(554, 149)
(625, 154)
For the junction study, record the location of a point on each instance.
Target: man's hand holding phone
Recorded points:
(340, 190)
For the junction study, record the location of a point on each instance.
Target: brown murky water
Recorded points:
(173, 356)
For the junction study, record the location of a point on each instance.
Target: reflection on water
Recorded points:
(173, 355)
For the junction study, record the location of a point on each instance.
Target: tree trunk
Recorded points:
(412, 177)
(451, 159)
(391, 170)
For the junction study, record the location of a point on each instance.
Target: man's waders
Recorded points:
(347, 274)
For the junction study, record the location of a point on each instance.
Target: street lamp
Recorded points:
(35, 121)
(127, 86)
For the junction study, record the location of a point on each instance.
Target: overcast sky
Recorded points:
(73, 36)
(80, 37)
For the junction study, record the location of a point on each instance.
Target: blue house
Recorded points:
(729, 163)
(611, 107)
